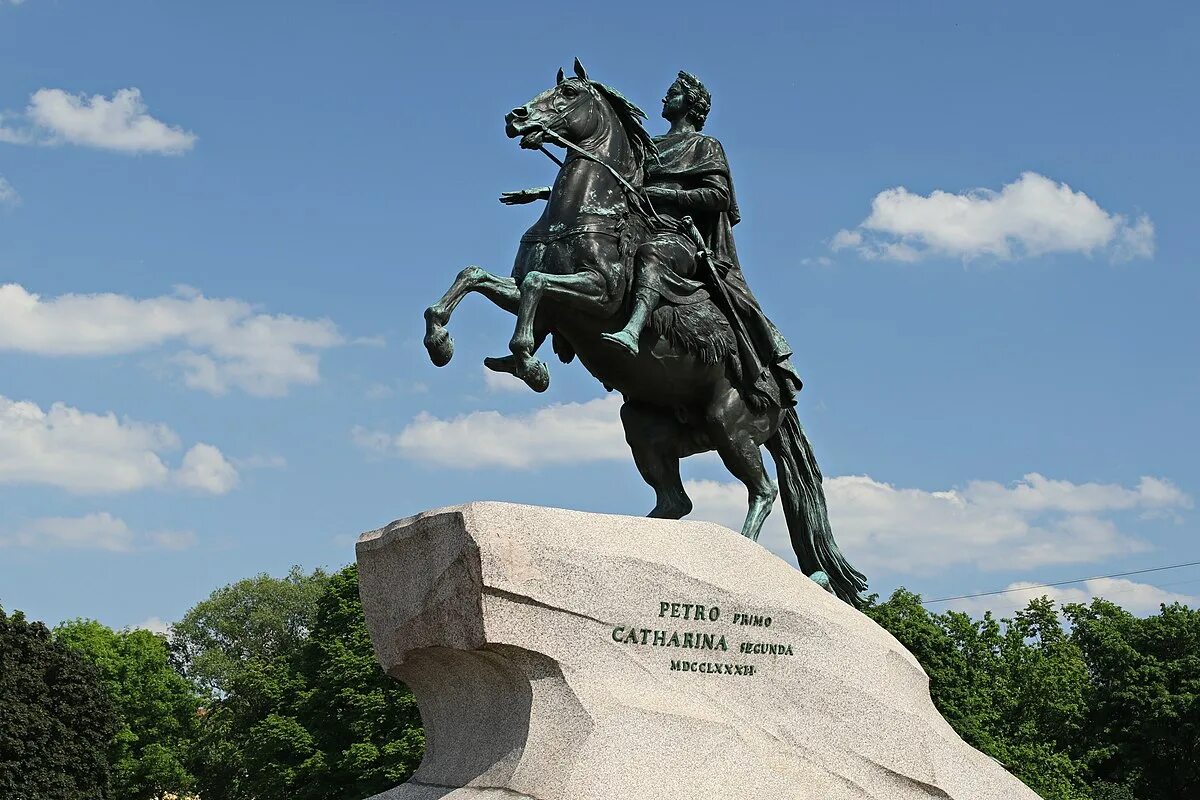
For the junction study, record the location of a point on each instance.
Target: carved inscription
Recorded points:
(702, 627)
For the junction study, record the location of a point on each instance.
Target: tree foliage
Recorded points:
(1106, 707)
(253, 621)
(156, 708)
(366, 723)
(1143, 699)
(316, 719)
(1087, 702)
(56, 719)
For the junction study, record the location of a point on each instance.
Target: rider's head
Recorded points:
(688, 95)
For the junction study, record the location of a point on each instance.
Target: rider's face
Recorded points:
(675, 103)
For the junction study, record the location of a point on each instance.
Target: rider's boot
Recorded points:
(627, 337)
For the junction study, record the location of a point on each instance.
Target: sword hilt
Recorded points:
(694, 232)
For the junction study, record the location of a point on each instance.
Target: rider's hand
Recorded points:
(523, 196)
(516, 198)
(659, 193)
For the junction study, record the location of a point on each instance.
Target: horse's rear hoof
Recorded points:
(820, 578)
(440, 345)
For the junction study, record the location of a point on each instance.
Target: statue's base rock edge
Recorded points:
(561, 655)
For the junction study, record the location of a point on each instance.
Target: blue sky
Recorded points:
(220, 222)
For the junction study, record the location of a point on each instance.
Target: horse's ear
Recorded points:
(561, 77)
(580, 72)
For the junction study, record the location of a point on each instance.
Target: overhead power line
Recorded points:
(1061, 583)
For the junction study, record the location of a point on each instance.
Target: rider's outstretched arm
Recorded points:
(522, 196)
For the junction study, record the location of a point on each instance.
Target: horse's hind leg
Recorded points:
(736, 432)
(656, 439)
(501, 291)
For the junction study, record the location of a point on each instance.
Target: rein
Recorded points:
(639, 194)
(590, 157)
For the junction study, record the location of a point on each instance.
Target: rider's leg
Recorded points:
(657, 439)
(736, 432)
(649, 263)
(644, 302)
(663, 270)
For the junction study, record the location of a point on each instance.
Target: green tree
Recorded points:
(256, 620)
(310, 717)
(240, 647)
(56, 719)
(365, 725)
(1015, 690)
(1143, 700)
(156, 708)
(1043, 709)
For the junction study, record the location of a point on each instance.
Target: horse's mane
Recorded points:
(631, 120)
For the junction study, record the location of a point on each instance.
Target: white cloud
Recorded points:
(1137, 598)
(206, 470)
(8, 195)
(1030, 217)
(383, 391)
(94, 532)
(563, 433)
(843, 239)
(502, 382)
(1030, 523)
(226, 343)
(1035, 521)
(100, 531)
(155, 625)
(380, 391)
(98, 453)
(122, 123)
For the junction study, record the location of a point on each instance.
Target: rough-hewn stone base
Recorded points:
(559, 655)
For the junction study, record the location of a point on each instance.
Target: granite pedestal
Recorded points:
(562, 655)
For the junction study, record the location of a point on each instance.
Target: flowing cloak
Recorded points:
(694, 166)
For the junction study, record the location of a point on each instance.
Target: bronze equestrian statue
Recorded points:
(631, 268)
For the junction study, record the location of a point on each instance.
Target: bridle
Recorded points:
(545, 129)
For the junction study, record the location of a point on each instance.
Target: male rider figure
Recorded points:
(691, 178)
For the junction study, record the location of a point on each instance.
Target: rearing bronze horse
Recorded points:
(571, 278)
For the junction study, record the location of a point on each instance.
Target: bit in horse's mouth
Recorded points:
(533, 140)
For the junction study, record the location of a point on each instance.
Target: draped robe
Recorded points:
(693, 172)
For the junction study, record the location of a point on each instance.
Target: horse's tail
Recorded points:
(807, 518)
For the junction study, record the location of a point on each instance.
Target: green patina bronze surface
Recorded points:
(632, 269)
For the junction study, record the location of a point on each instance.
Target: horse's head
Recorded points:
(573, 109)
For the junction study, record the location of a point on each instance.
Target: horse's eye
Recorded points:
(569, 91)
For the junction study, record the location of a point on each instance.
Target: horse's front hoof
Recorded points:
(503, 364)
(536, 374)
(440, 345)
